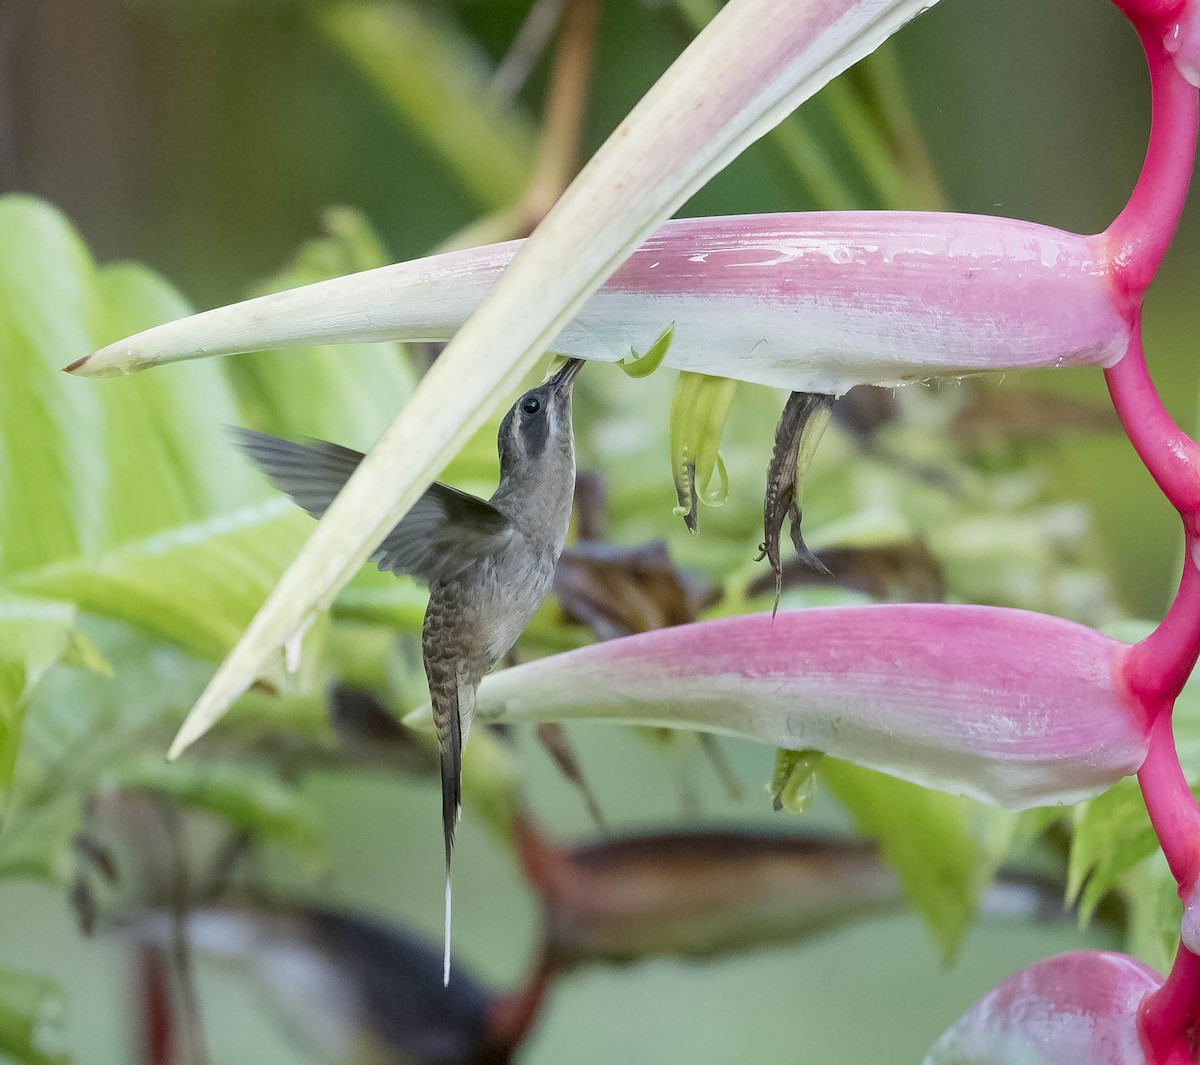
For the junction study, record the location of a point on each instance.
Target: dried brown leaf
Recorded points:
(800, 427)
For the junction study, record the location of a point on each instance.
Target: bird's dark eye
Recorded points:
(531, 405)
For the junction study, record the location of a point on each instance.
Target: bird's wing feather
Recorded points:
(445, 531)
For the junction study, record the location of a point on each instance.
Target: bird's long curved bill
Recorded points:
(565, 375)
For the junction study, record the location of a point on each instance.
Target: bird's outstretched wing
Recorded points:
(446, 530)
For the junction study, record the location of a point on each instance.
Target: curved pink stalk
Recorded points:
(1012, 707)
(1138, 237)
(1167, 1017)
(1169, 802)
(1175, 24)
(1156, 671)
(1166, 450)
(1158, 667)
(1075, 1009)
(1136, 242)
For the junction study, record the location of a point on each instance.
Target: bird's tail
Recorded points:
(444, 695)
(451, 748)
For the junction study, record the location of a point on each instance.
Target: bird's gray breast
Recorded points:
(492, 602)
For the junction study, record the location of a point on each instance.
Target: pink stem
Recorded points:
(1134, 245)
(156, 1034)
(1158, 667)
(512, 1016)
(1149, 11)
(1170, 455)
(1168, 1017)
(1173, 811)
(1138, 237)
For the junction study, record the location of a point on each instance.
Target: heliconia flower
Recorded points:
(808, 302)
(1015, 708)
(698, 894)
(1075, 1009)
(704, 894)
(754, 63)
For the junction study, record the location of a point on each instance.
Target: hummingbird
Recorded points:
(488, 563)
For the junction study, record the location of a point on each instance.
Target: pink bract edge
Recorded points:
(1074, 1009)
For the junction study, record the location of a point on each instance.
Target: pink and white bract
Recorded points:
(1075, 1009)
(1012, 707)
(808, 302)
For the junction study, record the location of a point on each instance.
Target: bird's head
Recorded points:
(536, 434)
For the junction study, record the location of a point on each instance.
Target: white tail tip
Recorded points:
(446, 956)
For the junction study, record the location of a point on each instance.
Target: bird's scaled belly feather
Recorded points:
(508, 594)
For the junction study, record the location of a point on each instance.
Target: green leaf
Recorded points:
(1155, 912)
(128, 500)
(699, 408)
(81, 731)
(490, 782)
(168, 457)
(64, 747)
(48, 464)
(84, 468)
(221, 568)
(637, 365)
(1112, 836)
(926, 837)
(243, 795)
(792, 783)
(34, 636)
(35, 842)
(30, 1016)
